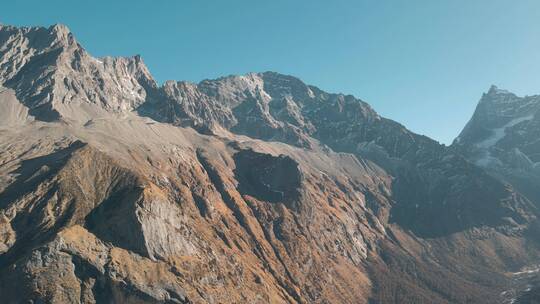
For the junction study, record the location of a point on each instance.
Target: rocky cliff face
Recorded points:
(255, 188)
(502, 136)
(52, 74)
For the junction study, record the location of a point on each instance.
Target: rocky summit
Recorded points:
(250, 189)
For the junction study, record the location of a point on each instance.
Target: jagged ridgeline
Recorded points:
(248, 189)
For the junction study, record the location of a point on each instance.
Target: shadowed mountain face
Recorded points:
(268, 178)
(255, 188)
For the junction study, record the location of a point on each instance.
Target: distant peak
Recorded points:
(494, 90)
(61, 33)
(497, 96)
(60, 28)
(138, 58)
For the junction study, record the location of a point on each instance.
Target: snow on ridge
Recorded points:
(97, 60)
(487, 159)
(499, 133)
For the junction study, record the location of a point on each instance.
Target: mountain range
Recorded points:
(250, 189)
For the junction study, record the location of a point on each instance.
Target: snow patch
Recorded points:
(487, 159)
(97, 60)
(527, 271)
(499, 133)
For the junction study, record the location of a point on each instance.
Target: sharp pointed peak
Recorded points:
(60, 28)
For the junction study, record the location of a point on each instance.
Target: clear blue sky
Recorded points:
(424, 63)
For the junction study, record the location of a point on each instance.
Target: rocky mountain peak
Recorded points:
(497, 110)
(53, 36)
(279, 85)
(62, 33)
(498, 107)
(502, 136)
(495, 91)
(56, 78)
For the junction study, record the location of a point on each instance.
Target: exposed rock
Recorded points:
(267, 178)
(50, 73)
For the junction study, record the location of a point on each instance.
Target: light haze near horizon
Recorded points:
(422, 63)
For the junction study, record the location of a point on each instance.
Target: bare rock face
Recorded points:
(77, 267)
(51, 72)
(255, 188)
(268, 178)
